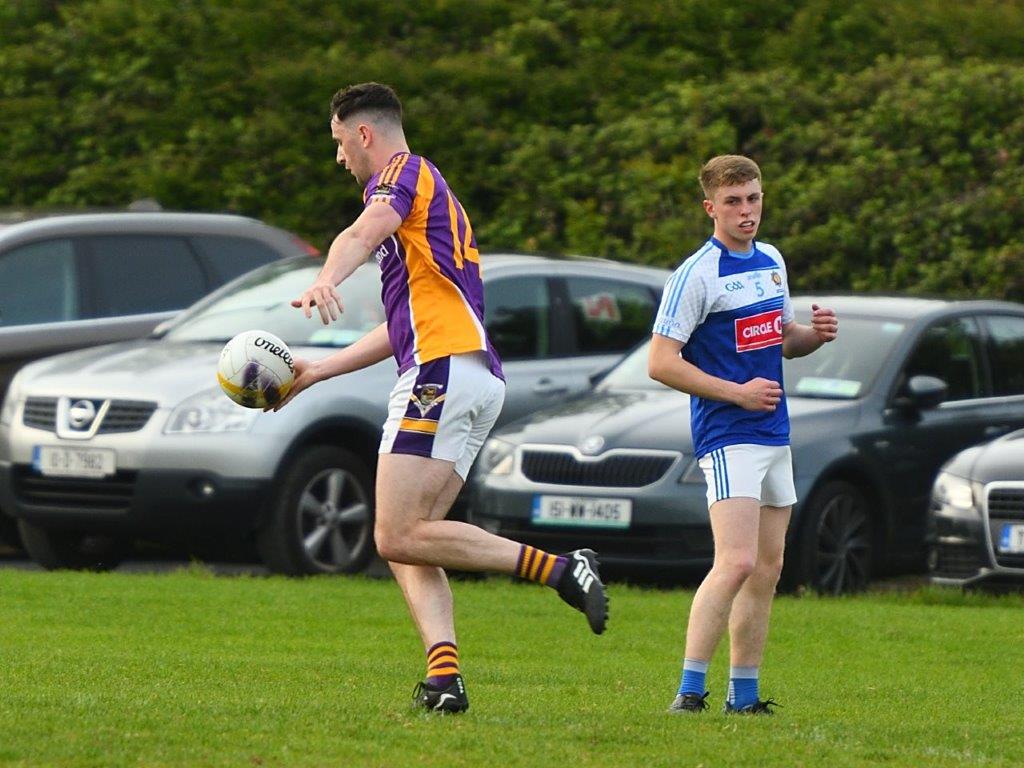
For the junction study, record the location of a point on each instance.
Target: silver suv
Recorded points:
(75, 281)
(135, 440)
(68, 282)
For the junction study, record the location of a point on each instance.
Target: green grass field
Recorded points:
(191, 669)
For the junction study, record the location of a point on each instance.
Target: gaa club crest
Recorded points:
(776, 278)
(426, 396)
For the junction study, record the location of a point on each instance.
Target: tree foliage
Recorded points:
(890, 134)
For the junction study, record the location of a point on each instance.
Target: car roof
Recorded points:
(525, 259)
(901, 307)
(124, 222)
(531, 259)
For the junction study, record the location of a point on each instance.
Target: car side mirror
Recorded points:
(922, 393)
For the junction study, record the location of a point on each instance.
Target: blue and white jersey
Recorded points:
(728, 309)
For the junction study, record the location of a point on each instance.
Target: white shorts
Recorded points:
(762, 472)
(444, 409)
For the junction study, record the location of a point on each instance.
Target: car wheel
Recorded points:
(321, 519)
(834, 547)
(72, 550)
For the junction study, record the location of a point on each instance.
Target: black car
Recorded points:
(976, 525)
(908, 383)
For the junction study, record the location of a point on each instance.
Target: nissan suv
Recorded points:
(75, 281)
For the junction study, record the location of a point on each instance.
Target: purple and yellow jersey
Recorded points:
(430, 268)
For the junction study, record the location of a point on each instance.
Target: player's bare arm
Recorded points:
(665, 365)
(350, 248)
(799, 340)
(369, 350)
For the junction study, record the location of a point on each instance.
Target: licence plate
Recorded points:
(73, 462)
(582, 511)
(1011, 540)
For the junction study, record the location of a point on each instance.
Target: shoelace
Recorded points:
(765, 706)
(703, 700)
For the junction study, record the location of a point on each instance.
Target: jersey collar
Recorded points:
(753, 249)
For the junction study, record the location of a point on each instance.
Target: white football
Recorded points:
(256, 369)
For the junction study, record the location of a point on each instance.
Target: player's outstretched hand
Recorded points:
(824, 323)
(305, 377)
(760, 395)
(324, 298)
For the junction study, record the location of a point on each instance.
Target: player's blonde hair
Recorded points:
(727, 171)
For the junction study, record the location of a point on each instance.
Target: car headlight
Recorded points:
(11, 400)
(496, 457)
(210, 411)
(956, 493)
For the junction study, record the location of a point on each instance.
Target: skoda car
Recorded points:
(976, 525)
(136, 440)
(908, 383)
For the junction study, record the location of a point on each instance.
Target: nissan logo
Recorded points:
(81, 414)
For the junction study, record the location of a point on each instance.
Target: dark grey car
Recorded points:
(908, 383)
(976, 525)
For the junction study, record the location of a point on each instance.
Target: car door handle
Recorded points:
(546, 386)
(996, 429)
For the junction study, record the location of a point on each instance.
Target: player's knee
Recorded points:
(774, 567)
(737, 569)
(391, 545)
(770, 570)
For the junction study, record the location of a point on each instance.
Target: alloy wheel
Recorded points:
(334, 519)
(843, 546)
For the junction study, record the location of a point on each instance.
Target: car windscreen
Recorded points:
(262, 300)
(846, 368)
(843, 369)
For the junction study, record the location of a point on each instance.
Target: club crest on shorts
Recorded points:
(776, 278)
(427, 396)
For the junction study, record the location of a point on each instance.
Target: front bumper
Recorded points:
(963, 550)
(135, 501)
(669, 528)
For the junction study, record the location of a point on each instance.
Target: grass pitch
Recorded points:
(188, 669)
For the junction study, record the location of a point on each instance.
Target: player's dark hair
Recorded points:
(727, 171)
(376, 100)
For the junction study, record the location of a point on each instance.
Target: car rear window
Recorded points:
(610, 315)
(1006, 353)
(229, 257)
(37, 284)
(139, 274)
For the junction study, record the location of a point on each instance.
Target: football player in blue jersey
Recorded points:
(724, 324)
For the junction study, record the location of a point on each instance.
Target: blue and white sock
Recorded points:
(742, 687)
(694, 675)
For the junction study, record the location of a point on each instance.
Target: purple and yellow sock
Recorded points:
(442, 664)
(537, 565)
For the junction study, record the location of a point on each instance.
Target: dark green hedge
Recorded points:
(890, 134)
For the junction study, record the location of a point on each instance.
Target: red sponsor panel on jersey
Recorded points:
(759, 331)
